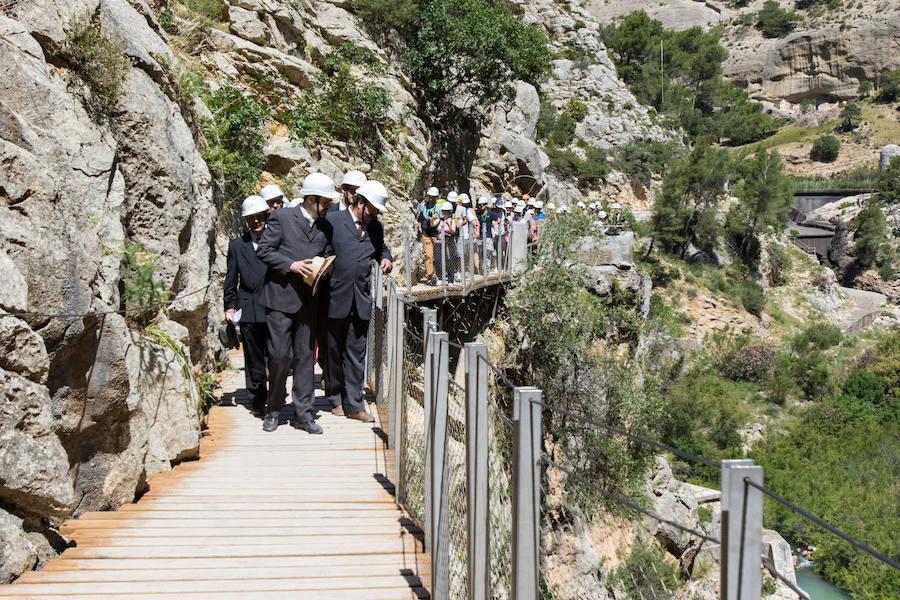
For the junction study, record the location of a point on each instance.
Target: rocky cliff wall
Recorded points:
(89, 405)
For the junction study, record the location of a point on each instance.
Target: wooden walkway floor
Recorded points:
(260, 515)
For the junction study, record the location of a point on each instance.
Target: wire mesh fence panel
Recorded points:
(457, 489)
(500, 491)
(414, 389)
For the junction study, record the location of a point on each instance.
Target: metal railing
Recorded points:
(469, 464)
(458, 265)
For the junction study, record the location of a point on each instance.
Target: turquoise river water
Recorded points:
(815, 585)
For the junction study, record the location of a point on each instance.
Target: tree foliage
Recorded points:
(890, 86)
(774, 21)
(680, 74)
(825, 148)
(467, 53)
(870, 235)
(685, 212)
(765, 201)
(888, 183)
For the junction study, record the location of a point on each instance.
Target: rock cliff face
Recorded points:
(824, 65)
(89, 406)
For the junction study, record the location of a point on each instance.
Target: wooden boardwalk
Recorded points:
(421, 292)
(260, 515)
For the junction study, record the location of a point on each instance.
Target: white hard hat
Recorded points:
(538, 204)
(464, 197)
(375, 193)
(615, 205)
(563, 209)
(318, 184)
(580, 204)
(452, 196)
(354, 178)
(529, 212)
(252, 205)
(551, 206)
(519, 209)
(602, 214)
(432, 191)
(520, 205)
(482, 200)
(508, 204)
(270, 192)
(531, 202)
(446, 206)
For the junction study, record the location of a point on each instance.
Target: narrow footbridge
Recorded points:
(261, 515)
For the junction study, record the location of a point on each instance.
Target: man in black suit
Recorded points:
(244, 277)
(357, 238)
(293, 236)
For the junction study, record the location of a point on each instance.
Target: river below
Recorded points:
(815, 585)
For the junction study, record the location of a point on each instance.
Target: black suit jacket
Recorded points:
(288, 237)
(244, 278)
(352, 268)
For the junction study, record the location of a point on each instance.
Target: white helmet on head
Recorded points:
(271, 192)
(580, 204)
(615, 205)
(354, 178)
(252, 205)
(464, 198)
(446, 206)
(551, 206)
(508, 204)
(432, 191)
(375, 193)
(318, 184)
(538, 204)
(452, 196)
(482, 200)
(602, 214)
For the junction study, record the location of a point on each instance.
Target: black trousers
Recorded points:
(255, 336)
(347, 360)
(291, 347)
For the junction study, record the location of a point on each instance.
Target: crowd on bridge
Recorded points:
(297, 285)
(453, 226)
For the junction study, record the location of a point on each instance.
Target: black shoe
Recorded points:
(307, 426)
(270, 422)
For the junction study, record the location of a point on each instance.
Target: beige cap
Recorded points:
(321, 266)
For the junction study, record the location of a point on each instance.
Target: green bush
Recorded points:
(774, 21)
(642, 160)
(851, 117)
(142, 294)
(346, 107)
(779, 262)
(98, 60)
(782, 381)
(890, 86)
(235, 139)
(753, 296)
(380, 15)
(825, 149)
(645, 572)
(211, 9)
(576, 109)
(870, 239)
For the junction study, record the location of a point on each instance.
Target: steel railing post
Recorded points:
(477, 483)
(376, 362)
(429, 320)
(407, 258)
(741, 531)
(400, 400)
(439, 481)
(390, 343)
(526, 509)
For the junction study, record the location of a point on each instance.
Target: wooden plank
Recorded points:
(164, 564)
(404, 543)
(216, 573)
(354, 594)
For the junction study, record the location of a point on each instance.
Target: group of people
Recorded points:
(298, 286)
(449, 226)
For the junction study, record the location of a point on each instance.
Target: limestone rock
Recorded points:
(17, 554)
(34, 468)
(22, 350)
(824, 65)
(777, 554)
(887, 153)
(48, 18)
(675, 500)
(282, 155)
(121, 21)
(246, 24)
(14, 292)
